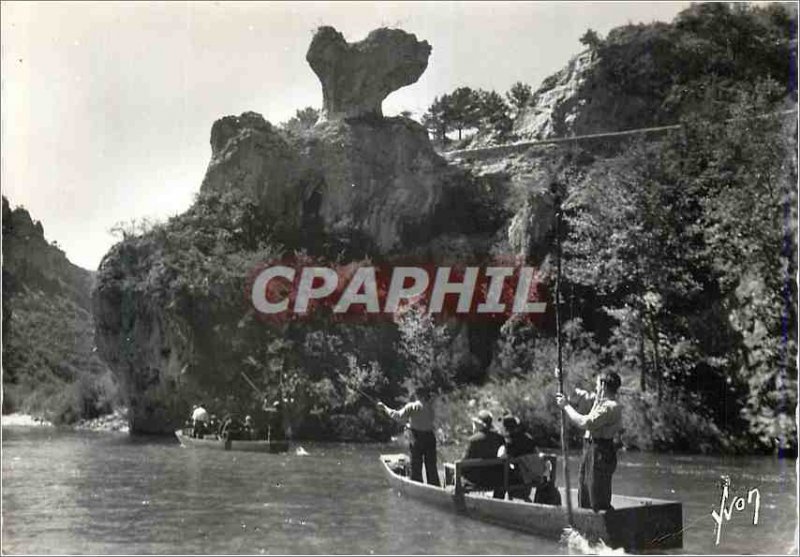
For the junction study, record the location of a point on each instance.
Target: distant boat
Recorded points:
(215, 442)
(636, 523)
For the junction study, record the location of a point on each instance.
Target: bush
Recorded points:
(669, 426)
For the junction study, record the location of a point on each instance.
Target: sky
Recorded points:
(107, 107)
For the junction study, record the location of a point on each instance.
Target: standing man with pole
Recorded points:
(601, 423)
(419, 430)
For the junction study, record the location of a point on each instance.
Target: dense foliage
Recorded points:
(189, 276)
(679, 248)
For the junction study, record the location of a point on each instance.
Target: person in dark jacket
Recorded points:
(485, 442)
(527, 467)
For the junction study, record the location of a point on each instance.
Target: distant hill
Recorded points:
(50, 367)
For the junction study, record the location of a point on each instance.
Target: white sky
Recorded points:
(107, 107)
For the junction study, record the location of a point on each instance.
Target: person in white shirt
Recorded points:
(199, 421)
(602, 422)
(422, 440)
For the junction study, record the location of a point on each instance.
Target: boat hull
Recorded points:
(233, 445)
(636, 524)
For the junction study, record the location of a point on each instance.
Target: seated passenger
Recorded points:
(526, 467)
(199, 421)
(485, 443)
(231, 428)
(249, 430)
(213, 424)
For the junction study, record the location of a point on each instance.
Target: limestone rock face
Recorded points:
(248, 154)
(580, 100)
(557, 104)
(379, 179)
(357, 77)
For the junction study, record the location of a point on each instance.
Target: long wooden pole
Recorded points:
(564, 454)
(250, 381)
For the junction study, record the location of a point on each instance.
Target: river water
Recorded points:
(107, 493)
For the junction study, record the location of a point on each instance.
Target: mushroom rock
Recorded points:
(356, 77)
(374, 178)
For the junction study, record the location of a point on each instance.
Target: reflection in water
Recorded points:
(84, 492)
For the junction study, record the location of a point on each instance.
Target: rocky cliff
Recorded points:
(50, 367)
(172, 319)
(377, 179)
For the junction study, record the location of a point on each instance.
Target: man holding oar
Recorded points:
(419, 428)
(602, 422)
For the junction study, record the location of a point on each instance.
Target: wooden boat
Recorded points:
(636, 523)
(215, 442)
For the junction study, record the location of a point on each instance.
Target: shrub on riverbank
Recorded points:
(522, 382)
(648, 424)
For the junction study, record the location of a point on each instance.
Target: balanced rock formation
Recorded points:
(171, 318)
(357, 77)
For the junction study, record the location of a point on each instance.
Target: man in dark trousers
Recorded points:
(602, 422)
(421, 438)
(485, 443)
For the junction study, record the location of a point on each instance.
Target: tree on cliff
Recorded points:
(467, 108)
(591, 39)
(493, 113)
(434, 119)
(519, 96)
(462, 109)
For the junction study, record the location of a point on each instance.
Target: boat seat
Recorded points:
(453, 474)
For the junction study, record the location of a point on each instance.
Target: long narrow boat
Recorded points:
(636, 523)
(214, 442)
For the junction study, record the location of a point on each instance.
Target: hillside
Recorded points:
(50, 367)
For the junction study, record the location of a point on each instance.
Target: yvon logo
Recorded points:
(737, 503)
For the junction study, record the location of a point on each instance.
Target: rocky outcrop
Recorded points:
(377, 179)
(31, 261)
(249, 155)
(138, 339)
(356, 77)
(555, 106)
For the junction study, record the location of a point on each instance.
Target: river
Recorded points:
(85, 492)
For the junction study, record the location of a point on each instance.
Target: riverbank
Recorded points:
(23, 420)
(116, 421)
